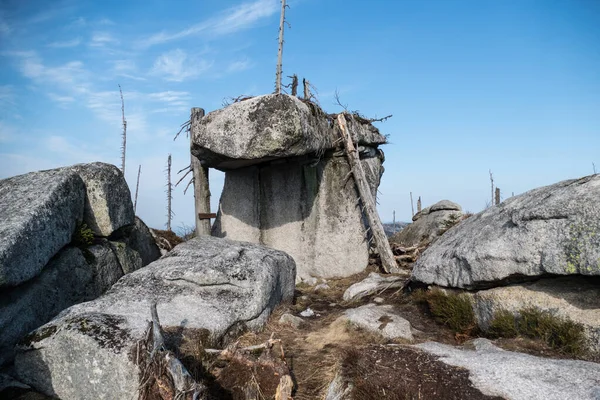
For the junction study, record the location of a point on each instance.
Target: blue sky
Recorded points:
(508, 86)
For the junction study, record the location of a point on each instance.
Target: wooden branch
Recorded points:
(184, 175)
(381, 242)
(284, 390)
(183, 382)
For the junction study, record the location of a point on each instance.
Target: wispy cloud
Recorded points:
(65, 44)
(7, 96)
(238, 66)
(101, 39)
(177, 66)
(232, 20)
(61, 100)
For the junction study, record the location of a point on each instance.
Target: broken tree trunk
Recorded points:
(383, 247)
(162, 364)
(200, 179)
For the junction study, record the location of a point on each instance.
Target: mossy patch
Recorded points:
(103, 328)
(581, 246)
(38, 335)
(83, 236)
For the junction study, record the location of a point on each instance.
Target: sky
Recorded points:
(511, 87)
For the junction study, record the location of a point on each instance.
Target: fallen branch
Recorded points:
(388, 262)
(164, 370)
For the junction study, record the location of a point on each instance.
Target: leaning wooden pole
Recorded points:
(200, 179)
(381, 242)
(137, 188)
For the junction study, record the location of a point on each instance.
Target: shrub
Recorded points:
(559, 333)
(503, 324)
(452, 310)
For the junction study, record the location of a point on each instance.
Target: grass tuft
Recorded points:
(452, 310)
(503, 324)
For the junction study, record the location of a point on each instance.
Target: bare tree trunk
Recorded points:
(383, 247)
(412, 208)
(137, 187)
(492, 183)
(419, 204)
(169, 194)
(497, 197)
(200, 179)
(124, 144)
(280, 52)
(306, 85)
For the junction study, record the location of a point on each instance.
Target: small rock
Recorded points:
(378, 300)
(311, 280)
(307, 313)
(322, 286)
(292, 320)
(380, 319)
(372, 284)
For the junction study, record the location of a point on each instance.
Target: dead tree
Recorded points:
(137, 187)
(280, 52)
(381, 242)
(169, 194)
(492, 183)
(497, 196)
(294, 85)
(201, 185)
(412, 207)
(124, 143)
(418, 205)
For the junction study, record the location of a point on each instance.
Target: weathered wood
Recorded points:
(207, 215)
(183, 383)
(381, 242)
(284, 390)
(280, 50)
(200, 179)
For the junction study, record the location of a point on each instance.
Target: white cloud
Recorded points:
(177, 66)
(7, 96)
(238, 66)
(232, 20)
(101, 39)
(61, 100)
(65, 44)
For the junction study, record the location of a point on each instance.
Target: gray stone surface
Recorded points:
(373, 283)
(105, 268)
(310, 212)
(382, 320)
(428, 224)
(550, 230)
(203, 284)
(517, 376)
(128, 259)
(71, 277)
(108, 205)
(24, 308)
(38, 215)
(576, 298)
(141, 240)
(267, 127)
(292, 320)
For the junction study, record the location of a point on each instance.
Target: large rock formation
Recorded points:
(38, 215)
(51, 260)
(429, 224)
(552, 230)
(285, 184)
(205, 288)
